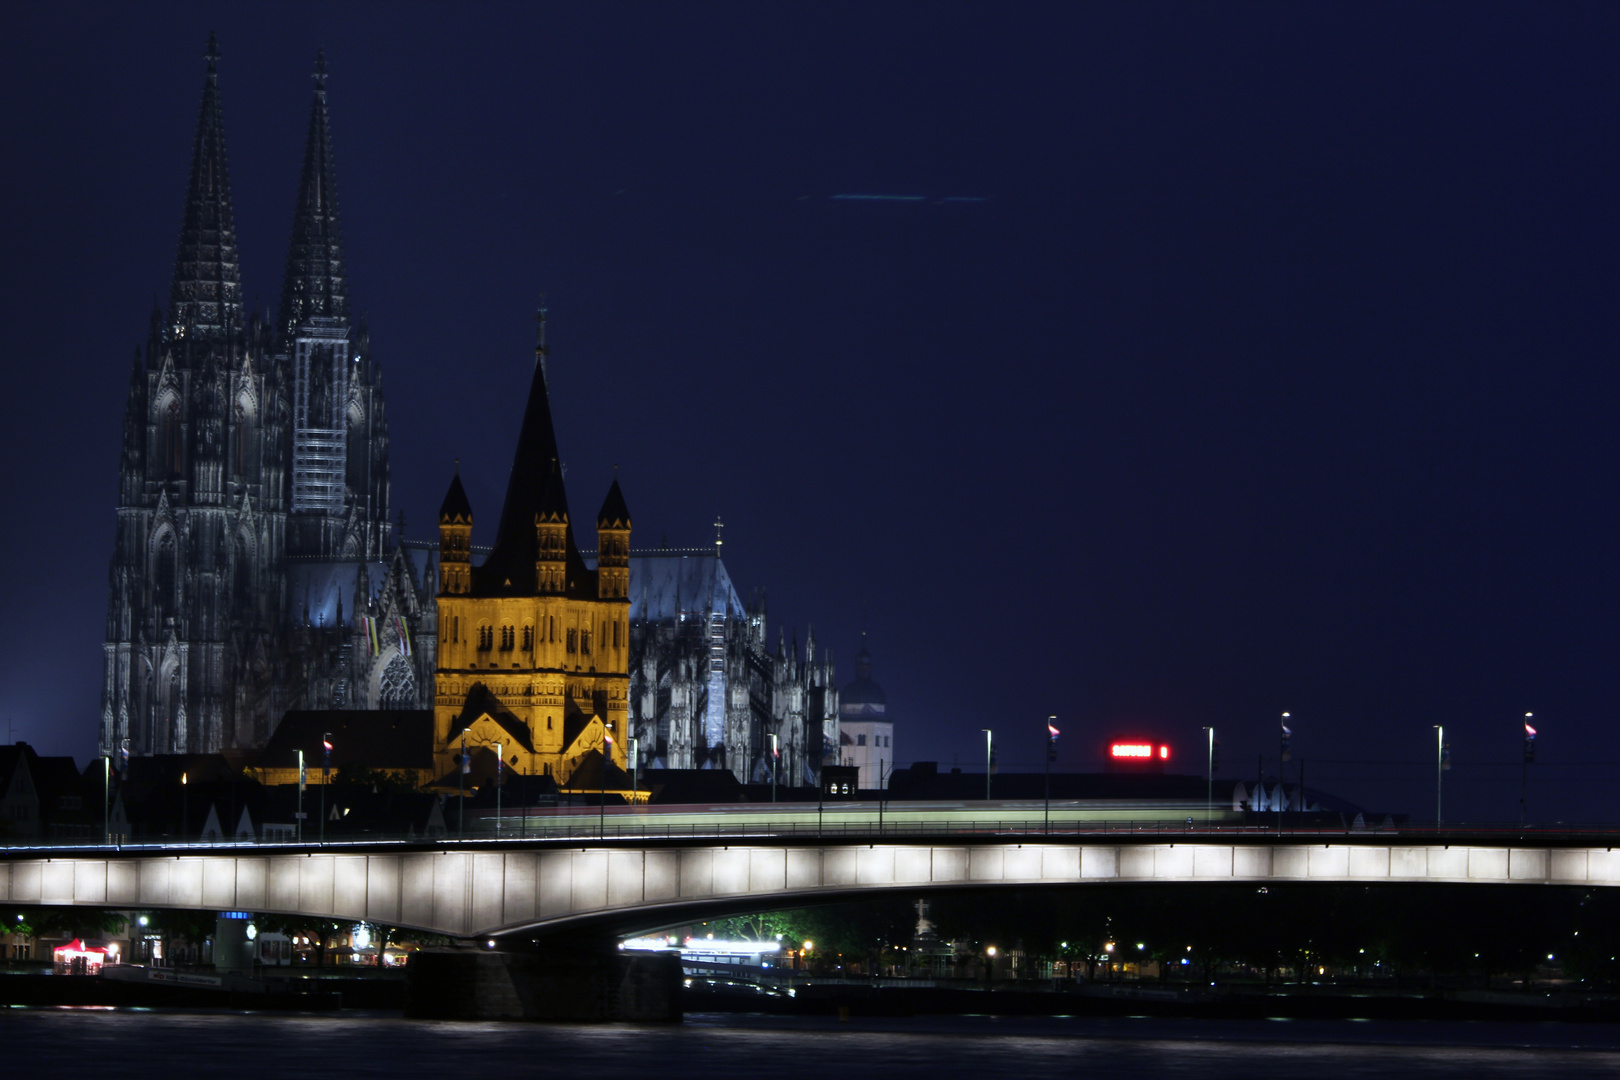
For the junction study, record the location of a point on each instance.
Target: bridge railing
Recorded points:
(574, 830)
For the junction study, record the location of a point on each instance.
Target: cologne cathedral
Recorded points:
(255, 569)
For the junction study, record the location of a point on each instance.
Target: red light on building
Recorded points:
(1164, 753)
(1132, 750)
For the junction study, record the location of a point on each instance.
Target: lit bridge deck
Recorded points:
(490, 887)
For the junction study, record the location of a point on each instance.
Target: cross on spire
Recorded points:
(719, 527)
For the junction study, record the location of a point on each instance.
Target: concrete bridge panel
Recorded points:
(1213, 861)
(1060, 863)
(590, 874)
(349, 874)
(1021, 863)
(556, 880)
(416, 890)
(249, 884)
(123, 882)
(1099, 863)
(1529, 864)
(948, 865)
(626, 871)
(1368, 862)
(1487, 864)
(874, 865)
(803, 869)
(1173, 861)
(663, 874)
(55, 882)
(1135, 863)
(1448, 863)
(382, 888)
(1250, 863)
(283, 883)
(987, 864)
(697, 873)
(1567, 867)
(316, 885)
(451, 884)
(839, 868)
(519, 888)
(186, 886)
(1330, 862)
(1603, 867)
(730, 871)
(90, 881)
(488, 889)
(219, 883)
(1409, 862)
(767, 870)
(1290, 862)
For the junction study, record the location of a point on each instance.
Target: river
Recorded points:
(175, 1045)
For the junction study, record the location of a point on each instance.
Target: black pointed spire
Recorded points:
(455, 510)
(206, 298)
(535, 488)
(315, 285)
(614, 513)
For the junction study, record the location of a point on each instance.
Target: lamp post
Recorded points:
(776, 753)
(989, 757)
(326, 776)
(463, 767)
(106, 800)
(299, 817)
(1051, 755)
(185, 807)
(635, 754)
(601, 800)
(1209, 780)
(500, 755)
(1524, 766)
(1284, 740)
(1439, 768)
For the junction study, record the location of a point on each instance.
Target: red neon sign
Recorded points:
(1138, 751)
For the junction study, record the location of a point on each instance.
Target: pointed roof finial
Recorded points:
(719, 528)
(212, 55)
(320, 69)
(540, 339)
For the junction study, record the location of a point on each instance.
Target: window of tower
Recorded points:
(166, 598)
(528, 639)
(486, 637)
(573, 641)
(585, 642)
(615, 634)
(169, 439)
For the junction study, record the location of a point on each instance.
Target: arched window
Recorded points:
(398, 686)
(241, 441)
(169, 442)
(168, 599)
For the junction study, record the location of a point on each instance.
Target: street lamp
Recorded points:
(1209, 780)
(601, 801)
(326, 776)
(299, 818)
(1051, 756)
(1524, 767)
(989, 759)
(776, 753)
(500, 754)
(1441, 764)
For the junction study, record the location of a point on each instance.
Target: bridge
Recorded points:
(492, 888)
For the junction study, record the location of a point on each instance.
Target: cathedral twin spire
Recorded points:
(206, 297)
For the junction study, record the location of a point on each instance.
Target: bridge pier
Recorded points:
(573, 984)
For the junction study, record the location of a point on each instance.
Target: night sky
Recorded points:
(1235, 358)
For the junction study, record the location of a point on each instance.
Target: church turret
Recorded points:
(551, 536)
(613, 546)
(206, 297)
(455, 539)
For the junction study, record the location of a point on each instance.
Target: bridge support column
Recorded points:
(575, 985)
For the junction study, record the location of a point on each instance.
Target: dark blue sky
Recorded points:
(1275, 370)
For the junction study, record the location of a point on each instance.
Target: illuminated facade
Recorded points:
(255, 568)
(534, 644)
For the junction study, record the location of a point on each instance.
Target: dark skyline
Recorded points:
(1234, 359)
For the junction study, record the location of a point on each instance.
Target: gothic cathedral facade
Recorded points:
(255, 569)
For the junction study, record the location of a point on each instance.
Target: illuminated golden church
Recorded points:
(534, 645)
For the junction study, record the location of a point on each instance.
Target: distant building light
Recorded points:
(1131, 750)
